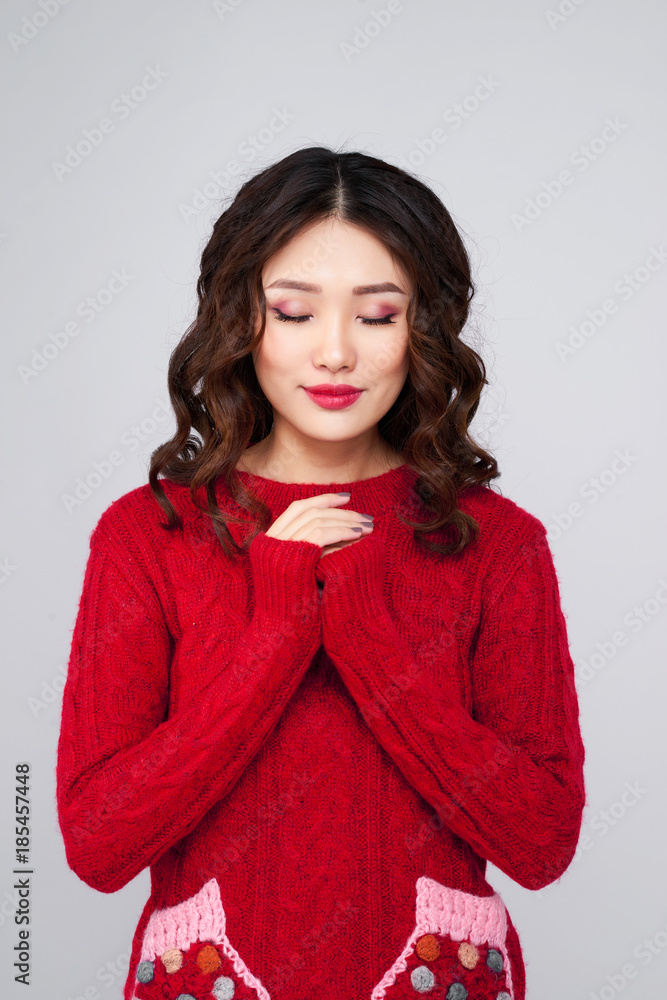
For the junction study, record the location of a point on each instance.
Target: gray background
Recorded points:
(143, 201)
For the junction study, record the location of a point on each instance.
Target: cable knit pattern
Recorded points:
(321, 744)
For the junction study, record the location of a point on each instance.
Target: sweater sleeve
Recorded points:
(132, 780)
(507, 778)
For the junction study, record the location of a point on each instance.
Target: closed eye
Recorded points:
(381, 321)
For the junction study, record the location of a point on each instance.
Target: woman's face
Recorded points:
(351, 301)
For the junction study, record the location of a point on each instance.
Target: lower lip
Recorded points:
(334, 402)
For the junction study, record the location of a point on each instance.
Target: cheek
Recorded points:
(389, 360)
(276, 356)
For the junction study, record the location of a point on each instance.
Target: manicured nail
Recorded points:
(344, 494)
(369, 516)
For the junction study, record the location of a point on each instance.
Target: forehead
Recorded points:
(332, 252)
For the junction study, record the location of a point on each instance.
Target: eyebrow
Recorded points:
(305, 286)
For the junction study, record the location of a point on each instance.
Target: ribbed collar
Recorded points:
(384, 492)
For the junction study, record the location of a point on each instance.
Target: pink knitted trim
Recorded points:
(199, 918)
(464, 917)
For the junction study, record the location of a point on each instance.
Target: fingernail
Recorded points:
(344, 494)
(369, 516)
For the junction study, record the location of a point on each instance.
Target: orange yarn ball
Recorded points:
(428, 947)
(208, 959)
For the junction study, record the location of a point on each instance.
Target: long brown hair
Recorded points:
(211, 377)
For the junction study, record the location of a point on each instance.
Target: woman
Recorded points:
(320, 671)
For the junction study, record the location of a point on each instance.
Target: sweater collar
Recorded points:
(383, 492)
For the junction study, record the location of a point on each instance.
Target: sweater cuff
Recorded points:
(354, 579)
(283, 574)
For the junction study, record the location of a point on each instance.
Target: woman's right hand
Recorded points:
(320, 519)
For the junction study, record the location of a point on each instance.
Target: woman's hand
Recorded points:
(320, 519)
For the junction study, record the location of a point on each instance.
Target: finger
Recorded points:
(339, 545)
(323, 533)
(298, 507)
(326, 517)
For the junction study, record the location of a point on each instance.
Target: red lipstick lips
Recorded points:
(333, 397)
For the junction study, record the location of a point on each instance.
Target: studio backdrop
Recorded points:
(128, 128)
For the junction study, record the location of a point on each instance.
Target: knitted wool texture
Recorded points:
(319, 749)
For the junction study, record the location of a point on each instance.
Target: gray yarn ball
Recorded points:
(223, 988)
(422, 979)
(456, 991)
(494, 960)
(145, 972)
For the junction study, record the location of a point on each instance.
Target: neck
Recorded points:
(288, 464)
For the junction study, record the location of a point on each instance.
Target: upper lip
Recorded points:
(333, 390)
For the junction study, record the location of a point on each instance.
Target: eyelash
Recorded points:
(380, 321)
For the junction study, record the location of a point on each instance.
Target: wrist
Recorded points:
(283, 576)
(354, 582)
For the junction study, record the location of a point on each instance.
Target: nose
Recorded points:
(334, 347)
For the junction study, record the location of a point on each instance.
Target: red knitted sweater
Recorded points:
(316, 756)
